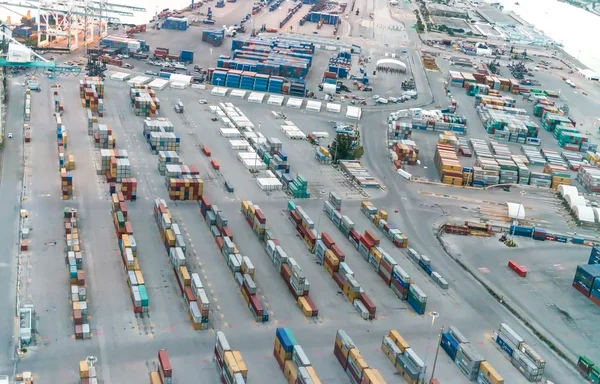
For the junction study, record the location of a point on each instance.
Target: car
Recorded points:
(70, 63)
(150, 73)
(10, 135)
(202, 101)
(180, 66)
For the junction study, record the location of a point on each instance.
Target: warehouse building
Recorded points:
(446, 11)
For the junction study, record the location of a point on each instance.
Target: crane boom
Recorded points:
(62, 11)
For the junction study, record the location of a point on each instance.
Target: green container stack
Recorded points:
(299, 188)
(267, 158)
(564, 127)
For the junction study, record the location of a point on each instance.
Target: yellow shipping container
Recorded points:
(155, 378)
(372, 376)
(303, 304)
(361, 364)
(490, 373)
(170, 237)
(376, 220)
(328, 269)
(125, 241)
(290, 371)
(245, 206)
(398, 340)
(240, 363)
(139, 277)
(365, 204)
(313, 375)
(382, 214)
(245, 296)
(251, 209)
(83, 369)
(185, 275)
(231, 363)
(349, 293)
(331, 257)
(324, 151)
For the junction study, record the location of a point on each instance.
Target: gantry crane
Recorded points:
(68, 18)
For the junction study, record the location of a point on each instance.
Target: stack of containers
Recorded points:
(128, 248)
(523, 171)
(288, 268)
(66, 182)
(240, 266)
(120, 168)
(106, 158)
(214, 36)
(468, 360)
(303, 224)
(186, 188)
(163, 141)
(587, 281)
(560, 175)
(129, 189)
(27, 106)
(379, 217)
(323, 156)
(167, 158)
(451, 341)
(408, 364)
(368, 246)
(124, 43)
(87, 373)
(157, 125)
(230, 364)
(91, 93)
(588, 369)
(404, 152)
(190, 285)
(176, 23)
(527, 361)
(352, 362)
(103, 137)
(456, 79)
(447, 138)
(298, 188)
(425, 263)
(292, 359)
(448, 165)
(486, 172)
(590, 178)
(399, 130)
(78, 287)
(144, 101)
(165, 371)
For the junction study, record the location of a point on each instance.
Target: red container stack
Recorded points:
(164, 367)
(518, 269)
(129, 188)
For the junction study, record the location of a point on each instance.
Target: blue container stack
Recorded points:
(340, 65)
(213, 36)
(176, 23)
(247, 80)
(186, 56)
(261, 83)
(327, 18)
(124, 44)
(451, 340)
(219, 78)
(291, 13)
(275, 84)
(233, 79)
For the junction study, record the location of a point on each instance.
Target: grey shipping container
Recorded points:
(510, 334)
(457, 335)
(533, 355)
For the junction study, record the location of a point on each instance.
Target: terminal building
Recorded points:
(446, 11)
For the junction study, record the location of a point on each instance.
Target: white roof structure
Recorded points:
(575, 201)
(353, 113)
(256, 97)
(178, 78)
(139, 80)
(584, 214)
(313, 106)
(120, 76)
(597, 214)
(219, 91)
(333, 107)
(275, 100)
(237, 94)
(589, 74)
(294, 102)
(516, 211)
(158, 84)
(179, 85)
(564, 190)
(391, 63)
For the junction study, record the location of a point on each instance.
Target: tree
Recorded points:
(341, 147)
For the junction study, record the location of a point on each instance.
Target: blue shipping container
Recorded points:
(507, 348)
(595, 256)
(416, 304)
(449, 345)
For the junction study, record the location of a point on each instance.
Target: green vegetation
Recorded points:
(345, 147)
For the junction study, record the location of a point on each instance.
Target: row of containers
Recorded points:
(214, 36)
(587, 281)
(178, 24)
(522, 355)
(91, 94)
(136, 283)
(190, 285)
(368, 245)
(124, 44)
(468, 359)
(332, 258)
(541, 234)
(241, 267)
(66, 162)
(589, 369)
(164, 372)
(245, 76)
(184, 56)
(27, 105)
(77, 281)
(230, 364)
(288, 267)
(466, 79)
(292, 359)
(291, 12)
(320, 17)
(144, 101)
(353, 363)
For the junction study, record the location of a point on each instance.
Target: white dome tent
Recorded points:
(576, 201)
(584, 215)
(564, 190)
(392, 64)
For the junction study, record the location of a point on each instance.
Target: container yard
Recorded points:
(520, 146)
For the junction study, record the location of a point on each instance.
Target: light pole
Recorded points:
(434, 315)
(256, 152)
(437, 350)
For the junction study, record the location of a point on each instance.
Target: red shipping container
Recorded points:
(340, 357)
(334, 268)
(595, 300)
(286, 272)
(260, 216)
(338, 279)
(291, 289)
(327, 240)
(128, 228)
(301, 230)
(123, 208)
(354, 235)
(219, 241)
(387, 280)
(215, 164)
(164, 363)
(120, 197)
(296, 217)
(366, 242)
(372, 238)
(434, 381)
(338, 252)
(311, 304)
(178, 281)
(81, 278)
(205, 202)
(256, 306)
(581, 289)
(189, 294)
(519, 270)
(227, 233)
(205, 150)
(311, 236)
(369, 304)
(218, 358)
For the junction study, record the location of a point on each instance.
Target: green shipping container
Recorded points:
(143, 295)
(291, 205)
(585, 364)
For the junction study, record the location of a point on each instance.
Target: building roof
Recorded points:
(445, 8)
